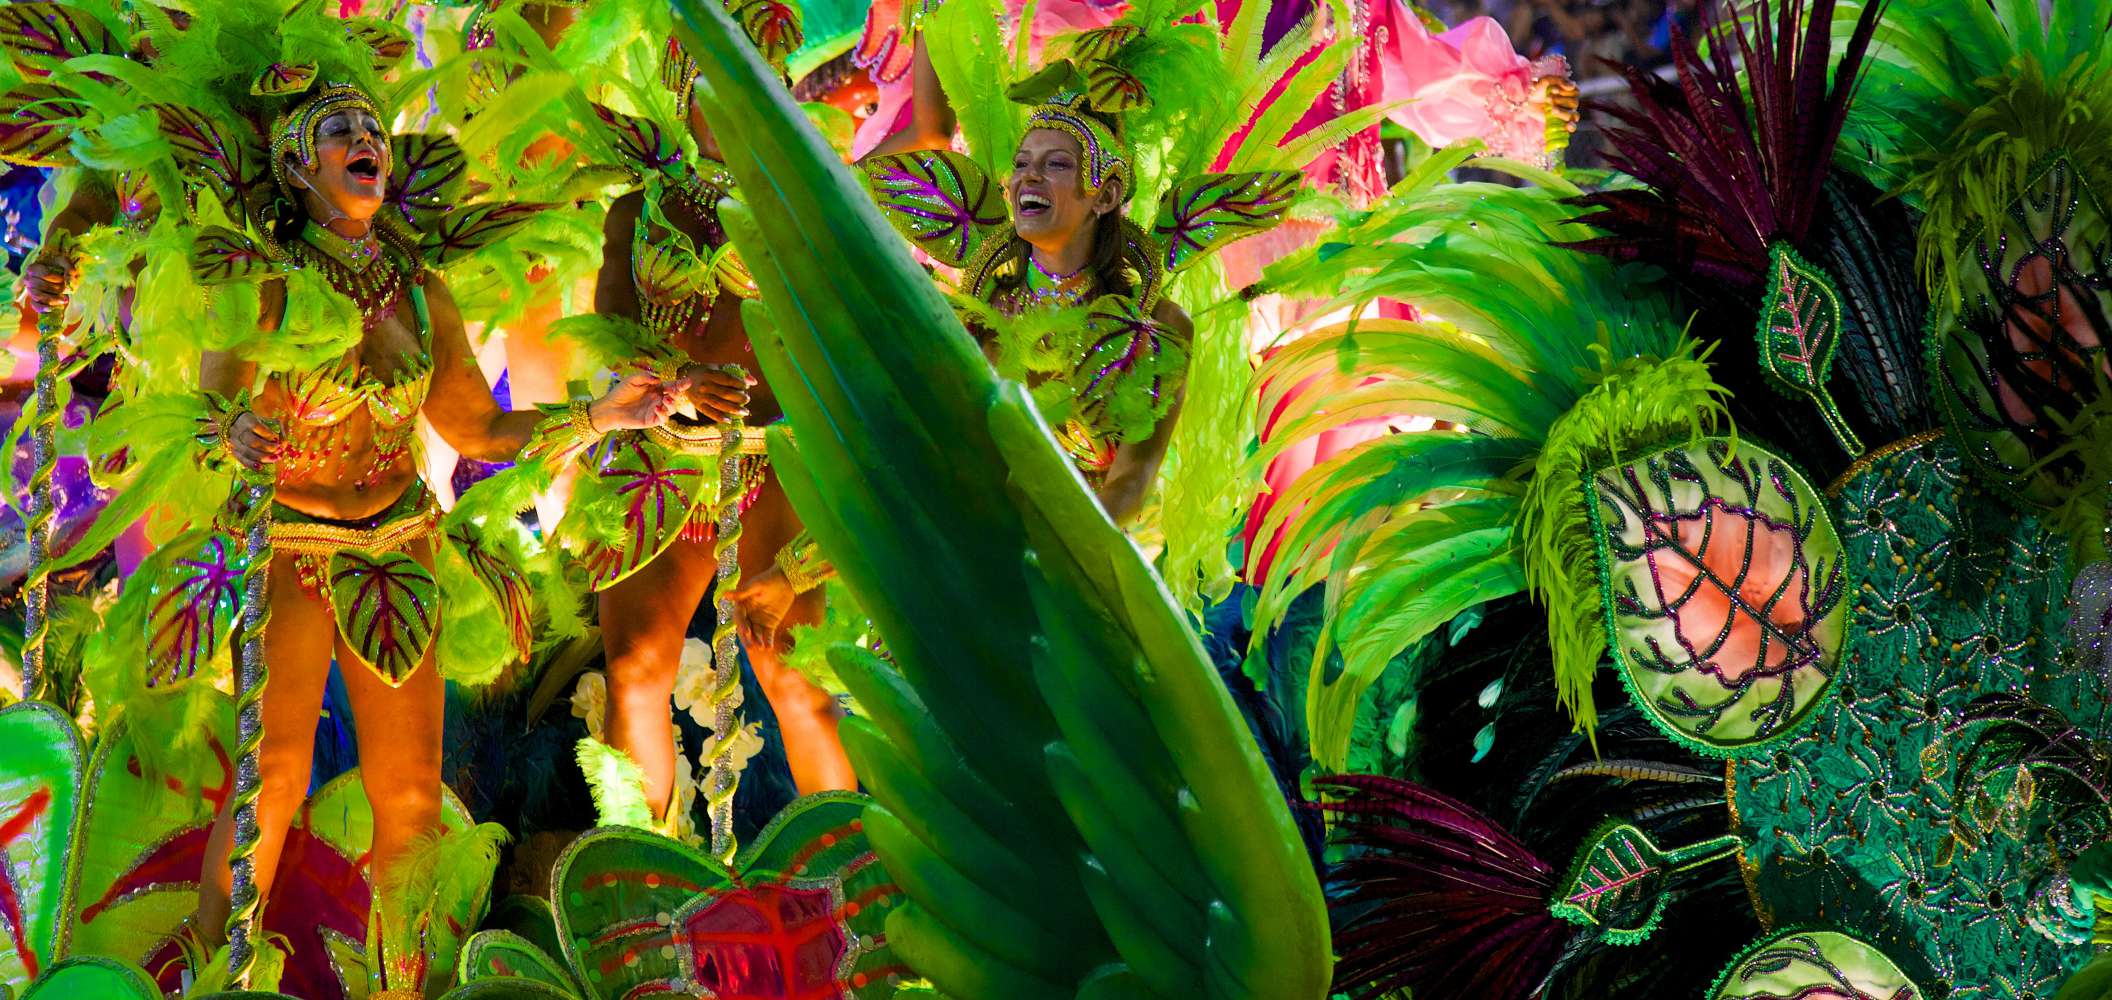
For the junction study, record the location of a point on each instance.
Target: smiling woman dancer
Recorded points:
(325, 337)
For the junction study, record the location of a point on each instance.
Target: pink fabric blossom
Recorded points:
(1464, 83)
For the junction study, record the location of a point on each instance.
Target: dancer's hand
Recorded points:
(637, 402)
(253, 440)
(47, 282)
(716, 394)
(765, 608)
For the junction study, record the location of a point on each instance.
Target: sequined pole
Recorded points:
(723, 770)
(244, 903)
(43, 508)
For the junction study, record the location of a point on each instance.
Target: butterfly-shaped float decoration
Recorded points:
(1444, 900)
(800, 914)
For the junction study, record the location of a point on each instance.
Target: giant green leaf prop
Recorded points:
(1064, 790)
(40, 794)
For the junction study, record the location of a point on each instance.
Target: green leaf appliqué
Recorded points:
(1617, 882)
(1800, 325)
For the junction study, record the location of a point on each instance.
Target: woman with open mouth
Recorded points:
(357, 535)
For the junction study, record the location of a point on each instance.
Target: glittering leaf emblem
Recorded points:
(281, 79)
(29, 132)
(649, 491)
(644, 145)
(1800, 327)
(40, 796)
(1127, 378)
(386, 608)
(222, 256)
(1819, 964)
(499, 954)
(508, 585)
(467, 230)
(1101, 43)
(1058, 76)
(1723, 589)
(36, 35)
(387, 40)
(772, 25)
(801, 912)
(229, 161)
(426, 178)
(1112, 89)
(733, 275)
(940, 200)
(1617, 882)
(1202, 214)
(196, 590)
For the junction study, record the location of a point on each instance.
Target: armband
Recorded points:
(566, 430)
(801, 562)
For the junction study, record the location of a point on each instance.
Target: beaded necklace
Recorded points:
(358, 267)
(1056, 291)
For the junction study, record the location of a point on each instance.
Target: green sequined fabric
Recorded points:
(1857, 823)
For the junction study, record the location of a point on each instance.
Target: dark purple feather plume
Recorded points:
(1436, 897)
(1729, 170)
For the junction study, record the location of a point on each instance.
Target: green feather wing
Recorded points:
(1064, 790)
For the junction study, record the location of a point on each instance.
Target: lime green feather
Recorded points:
(1636, 403)
(617, 784)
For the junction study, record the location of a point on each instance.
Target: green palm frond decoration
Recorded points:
(1549, 359)
(1064, 789)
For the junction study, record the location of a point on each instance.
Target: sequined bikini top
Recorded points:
(328, 395)
(676, 283)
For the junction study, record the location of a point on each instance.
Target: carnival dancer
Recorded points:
(670, 293)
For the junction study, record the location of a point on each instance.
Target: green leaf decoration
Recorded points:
(645, 490)
(1800, 327)
(32, 132)
(234, 162)
(1618, 883)
(509, 989)
(732, 274)
(2016, 363)
(37, 36)
(939, 200)
(387, 609)
(468, 230)
(1101, 44)
(96, 977)
(222, 256)
(1055, 78)
(283, 79)
(426, 176)
(1205, 213)
(1723, 589)
(1112, 90)
(1037, 767)
(506, 955)
(1815, 963)
(196, 585)
(1130, 372)
(388, 41)
(771, 25)
(802, 911)
(41, 764)
(501, 574)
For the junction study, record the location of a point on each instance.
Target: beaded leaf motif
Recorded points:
(196, 586)
(1814, 965)
(1800, 326)
(426, 177)
(939, 200)
(772, 25)
(1723, 587)
(40, 794)
(38, 35)
(1204, 213)
(649, 491)
(1617, 884)
(2019, 359)
(222, 256)
(800, 913)
(1130, 371)
(30, 133)
(387, 610)
(467, 230)
(502, 576)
